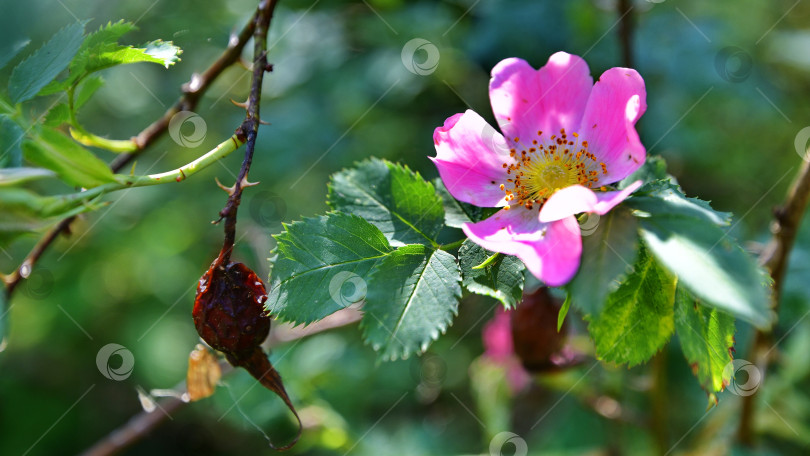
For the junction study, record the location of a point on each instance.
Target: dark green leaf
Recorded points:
(607, 254)
(457, 213)
(654, 168)
(710, 264)
(662, 198)
(16, 176)
(41, 67)
(412, 297)
(707, 336)
(398, 201)
(502, 280)
(638, 317)
(323, 266)
(73, 163)
(11, 136)
(10, 50)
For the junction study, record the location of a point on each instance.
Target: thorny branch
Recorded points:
(192, 93)
(144, 422)
(787, 219)
(250, 126)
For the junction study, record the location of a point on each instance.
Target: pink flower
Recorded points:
(564, 140)
(500, 349)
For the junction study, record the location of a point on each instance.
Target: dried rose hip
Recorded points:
(229, 316)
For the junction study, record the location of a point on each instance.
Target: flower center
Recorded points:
(546, 166)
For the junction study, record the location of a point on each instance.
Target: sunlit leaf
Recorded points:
(502, 280)
(638, 317)
(323, 266)
(412, 297)
(73, 163)
(707, 336)
(397, 200)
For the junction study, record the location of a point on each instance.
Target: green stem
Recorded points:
(452, 245)
(221, 151)
(89, 139)
(488, 261)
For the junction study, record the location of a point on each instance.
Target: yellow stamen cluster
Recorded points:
(544, 166)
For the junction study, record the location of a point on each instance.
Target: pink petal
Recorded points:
(526, 100)
(470, 155)
(576, 198)
(617, 101)
(550, 251)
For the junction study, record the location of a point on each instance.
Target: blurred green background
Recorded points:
(727, 91)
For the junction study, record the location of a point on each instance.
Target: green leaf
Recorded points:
(11, 49)
(3, 316)
(16, 176)
(165, 54)
(323, 266)
(457, 213)
(57, 115)
(502, 280)
(654, 168)
(24, 211)
(412, 297)
(41, 67)
(607, 254)
(73, 163)
(710, 265)
(662, 198)
(707, 336)
(638, 317)
(10, 138)
(398, 201)
(563, 311)
(88, 88)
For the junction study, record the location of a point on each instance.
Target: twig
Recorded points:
(787, 219)
(250, 126)
(144, 422)
(626, 31)
(192, 93)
